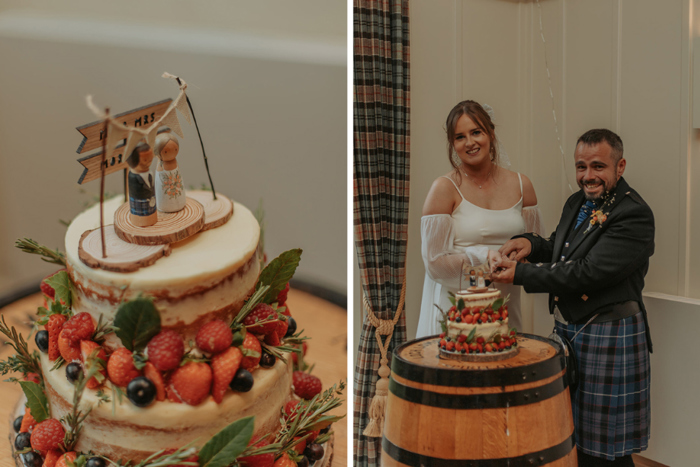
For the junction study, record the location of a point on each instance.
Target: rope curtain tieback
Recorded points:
(383, 327)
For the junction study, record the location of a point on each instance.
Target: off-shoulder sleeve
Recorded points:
(533, 220)
(443, 262)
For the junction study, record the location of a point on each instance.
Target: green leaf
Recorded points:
(460, 304)
(239, 337)
(138, 321)
(471, 335)
(278, 273)
(36, 400)
(497, 304)
(222, 449)
(451, 298)
(62, 285)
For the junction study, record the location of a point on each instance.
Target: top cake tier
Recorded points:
(207, 276)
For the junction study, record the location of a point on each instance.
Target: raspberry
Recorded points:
(250, 344)
(47, 435)
(282, 296)
(290, 407)
(224, 367)
(151, 372)
(165, 350)
(261, 460)
(86, 348)
(79, 327)
(120, 367)
(272, 339)
(192, 382)
(54, 327)
(262, 311)
(306, 386)
(67, 456)
(282, 328)
(214, 337)
(68, 349)
(28, 421)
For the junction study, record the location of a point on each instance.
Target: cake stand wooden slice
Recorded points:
(216, 211)
(121, 256)
(171, 226)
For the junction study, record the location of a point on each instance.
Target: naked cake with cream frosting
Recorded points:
(476, 328)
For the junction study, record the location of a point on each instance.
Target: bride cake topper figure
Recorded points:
(170, 193)
(142, 200)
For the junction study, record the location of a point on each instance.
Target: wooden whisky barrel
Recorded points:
(450, 413)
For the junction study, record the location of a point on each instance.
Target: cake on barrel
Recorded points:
(173, 361)
(476, 327)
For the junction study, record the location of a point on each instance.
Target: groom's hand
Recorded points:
(505, 272)
(516, 249)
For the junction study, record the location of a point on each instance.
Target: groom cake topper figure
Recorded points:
(593, 268)
(142, 197)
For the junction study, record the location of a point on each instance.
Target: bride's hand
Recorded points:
(494, 260)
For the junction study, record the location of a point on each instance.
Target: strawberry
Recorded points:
(214, 337)
(306, 386)
(120, 367)
(273, 339)
(165, 350)
(191, 383)
(285, 461)
(68, 349)
(312, 437)
(251, 344)
(52, 457)
(151, 372)
(224, 367)
(33, 377)
(47, 435)
(282, 296)
(54, 327)
(479, 340)
(450, 346)
(299, 447)
(262, 311)
(488, 348)
(473, 346)
(69, 456)
(469, 319)
(461, 338)
(458, 347)
(28, 421)
(79, 327)
(86, 348)
(501, 345)
(261, 460)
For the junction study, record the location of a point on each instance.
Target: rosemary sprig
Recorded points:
(311, 416)
(75, 419)
(102, 330)
(32, 246)
(249, 305)
(159, 459)
(24, 361)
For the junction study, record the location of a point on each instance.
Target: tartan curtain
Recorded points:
(381, 185)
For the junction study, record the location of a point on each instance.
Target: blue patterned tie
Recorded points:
(585, 212)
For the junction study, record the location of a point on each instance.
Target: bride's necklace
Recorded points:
(474, 181)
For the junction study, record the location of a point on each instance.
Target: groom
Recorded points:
(593, 268)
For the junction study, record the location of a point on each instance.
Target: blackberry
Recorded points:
(42, 341)
(141, 391)
(242, 382)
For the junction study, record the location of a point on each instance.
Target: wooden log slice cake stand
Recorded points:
(216, 211)
(450, 413)
(171, 226)
(121, 256)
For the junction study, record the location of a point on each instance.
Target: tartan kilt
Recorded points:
(612, 404)
(142, 207)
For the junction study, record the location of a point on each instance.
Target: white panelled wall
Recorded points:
(624, 65)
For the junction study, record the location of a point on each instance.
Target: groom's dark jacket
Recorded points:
(588, 270)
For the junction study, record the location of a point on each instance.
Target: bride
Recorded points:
(470, 212)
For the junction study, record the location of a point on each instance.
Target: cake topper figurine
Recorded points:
(142, 198)
(170, 194)
(472, 278)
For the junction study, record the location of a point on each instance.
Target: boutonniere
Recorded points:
(598, 217)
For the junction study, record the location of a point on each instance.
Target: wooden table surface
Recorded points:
(324, 322)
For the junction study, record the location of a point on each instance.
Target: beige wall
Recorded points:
(625, 65)
(267, 81)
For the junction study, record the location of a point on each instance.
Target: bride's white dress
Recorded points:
(466, 236)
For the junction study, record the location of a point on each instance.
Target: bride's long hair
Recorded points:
(481, 118)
